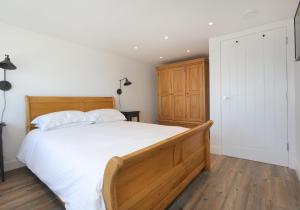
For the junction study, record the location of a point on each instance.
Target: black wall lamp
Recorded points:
(119, 91)
(5, 85)
(126, 83)
(6, 64)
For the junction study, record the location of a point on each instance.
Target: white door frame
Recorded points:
(215, 84)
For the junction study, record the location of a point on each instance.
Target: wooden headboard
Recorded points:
(40, 105)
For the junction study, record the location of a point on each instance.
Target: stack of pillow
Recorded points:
(64, 119)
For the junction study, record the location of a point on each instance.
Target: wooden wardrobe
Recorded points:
(183, 94)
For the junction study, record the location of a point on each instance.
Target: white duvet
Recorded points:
(71, 161)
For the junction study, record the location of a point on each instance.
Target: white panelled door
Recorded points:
(254, 91)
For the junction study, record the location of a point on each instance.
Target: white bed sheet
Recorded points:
(71, 161)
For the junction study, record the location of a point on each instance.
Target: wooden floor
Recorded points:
(232, 184)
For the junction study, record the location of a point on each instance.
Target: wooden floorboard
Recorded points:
(23, 191)
(236, 184)
(232, 184)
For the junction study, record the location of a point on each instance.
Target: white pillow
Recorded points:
(61, 119)
(105, 115)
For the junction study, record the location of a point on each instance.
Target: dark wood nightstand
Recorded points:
(1, 152)
(130, 114)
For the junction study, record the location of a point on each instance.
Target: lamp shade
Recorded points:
(127, 82)
(7, 64)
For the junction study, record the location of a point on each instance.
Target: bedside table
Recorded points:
(1, 152)
(130, 114)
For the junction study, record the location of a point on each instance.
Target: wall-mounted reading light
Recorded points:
(5, 85)
(6, 64)
(119, 91)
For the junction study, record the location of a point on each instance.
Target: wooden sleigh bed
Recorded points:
(150, 178)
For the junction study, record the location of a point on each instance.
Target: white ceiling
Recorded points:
(119, 25)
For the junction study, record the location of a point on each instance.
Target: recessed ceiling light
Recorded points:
(166, 37)
(188, 51)
(136, 47)
(161, 57)
(210, 23)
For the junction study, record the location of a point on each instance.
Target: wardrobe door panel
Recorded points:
(166, 107)
(165, 97)
(179, 84)
(195, 77)
(164, 82)
(194, 112)
(195, 94)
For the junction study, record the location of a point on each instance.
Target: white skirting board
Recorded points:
(297, 169)
(215, 150)
(10, 165)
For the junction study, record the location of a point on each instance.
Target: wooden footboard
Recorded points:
(153, 177)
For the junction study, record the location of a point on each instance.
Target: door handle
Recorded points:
(226, 98)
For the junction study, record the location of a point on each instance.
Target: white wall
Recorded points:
(215, 85)
(53, 67)
(297, 93)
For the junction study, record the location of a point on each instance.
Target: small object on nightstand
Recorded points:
(2, 124)
(130, 114)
